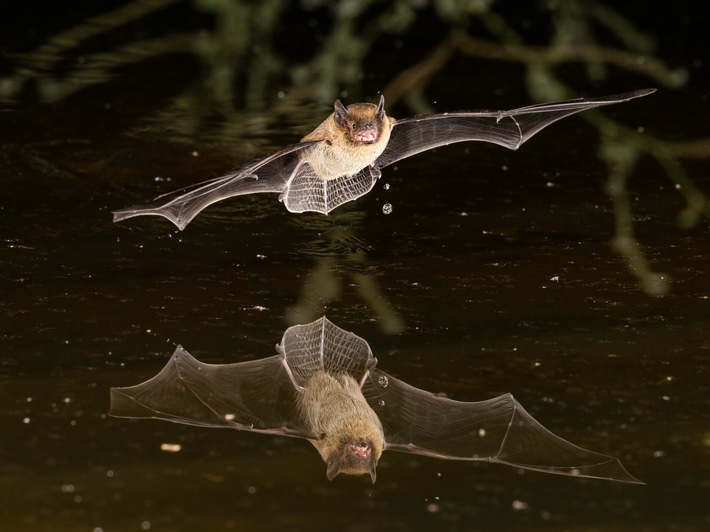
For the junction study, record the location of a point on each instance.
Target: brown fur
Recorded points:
(334, 409)
(341, 155)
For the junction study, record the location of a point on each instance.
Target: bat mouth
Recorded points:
(365, 136)
(359, 451)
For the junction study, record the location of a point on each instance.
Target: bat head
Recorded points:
(362, 123)
(353, 458)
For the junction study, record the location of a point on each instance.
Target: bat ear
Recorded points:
(341, 114)
(334, 467)
(373, 472)
(381, 105)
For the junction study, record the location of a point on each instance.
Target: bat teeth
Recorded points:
(366, 135)
(361, 451)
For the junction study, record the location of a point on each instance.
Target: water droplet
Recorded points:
(387, 208)
(386, 186)
(381, 402)
(520, 505)
(171, 447)
(383, 381)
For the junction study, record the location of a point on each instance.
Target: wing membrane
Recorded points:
(266, 174)
(505, 128)
(497, 430)
(256, 395)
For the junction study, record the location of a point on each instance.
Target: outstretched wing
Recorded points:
(271, 173)
(496, 430)
(505, 128)
(255, 396)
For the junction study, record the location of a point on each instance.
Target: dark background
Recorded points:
(496, 271)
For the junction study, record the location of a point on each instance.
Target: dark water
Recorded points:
(494, 273)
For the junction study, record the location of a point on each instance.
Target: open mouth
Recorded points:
(361, 452)
(366, 136)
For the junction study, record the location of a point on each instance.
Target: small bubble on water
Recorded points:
(386, 186)
(387, 208)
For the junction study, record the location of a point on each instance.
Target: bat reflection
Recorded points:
(323, 386)
(341, 160)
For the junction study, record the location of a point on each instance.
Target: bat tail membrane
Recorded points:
(307, 192)
(323, 346)
(529, 445)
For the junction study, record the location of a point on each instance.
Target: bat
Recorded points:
(342, 159)
(322, 385)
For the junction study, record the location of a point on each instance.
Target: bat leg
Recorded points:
(364, 376)
(287, 186)
(375, 172)
(290, 374)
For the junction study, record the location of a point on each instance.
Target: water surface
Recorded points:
(493, 273)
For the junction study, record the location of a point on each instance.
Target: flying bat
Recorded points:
(322, 385)
(342, 159)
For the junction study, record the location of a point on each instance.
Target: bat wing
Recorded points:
(309, 193)
(505, 128)
(323, 346)
(271, 173)
(496, 430)
(255, 396)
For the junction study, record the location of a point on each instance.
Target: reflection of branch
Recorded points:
(416, 77)
(323, 286)
(619, 26)
(621, 146)
(692, 149)
(50, 53)
(342, 250)
(697, 203)
(539, 71)
(621, 159)
(96, 68)
(648, 66)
